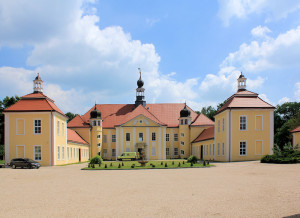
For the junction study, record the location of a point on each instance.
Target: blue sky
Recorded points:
(89, 51)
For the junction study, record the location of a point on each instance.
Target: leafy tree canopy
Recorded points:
(70, 115)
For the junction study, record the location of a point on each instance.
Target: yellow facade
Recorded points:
(296, 140)
(206, 148)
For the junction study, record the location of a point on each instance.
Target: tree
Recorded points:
(286, 118)
(209, 111)
(70, 115)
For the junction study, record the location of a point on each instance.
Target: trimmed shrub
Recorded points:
(93, 165)
(192, 159)
(179, 164)
(133, 165)
(111, 164)
(161, 163)
(182, 162)
(105, 166)
(287, 155)
(96, 160)
(119, 166)
(166, 165)
(192, 164)
(173, 163)
(207, 163)
(153, 165)
(204, 163)
(122, 164)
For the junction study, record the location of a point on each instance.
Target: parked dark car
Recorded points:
(24, 162)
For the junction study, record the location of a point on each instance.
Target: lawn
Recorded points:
(2, 161)
(157, 164)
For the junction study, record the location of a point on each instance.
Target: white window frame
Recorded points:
(175, 151)
(262, 123)
(63, 152)
(167, 151)
(182, 134)
(209, 149)
(104, 138)
(18, 126)
(218, 125)
(223, 124)
(104, 153)
(262, 147)
(240, 123)
(213, 149)
(71, 153)
(182, 143)
(113, 138)
(141, 137)
(245, 148)
(58, 130)
(153, 152)
(223, 149)
(74, 154)
(98, 136)
(167, 137)
(153, 136)
(58, 153)
(218, 152)
(34, 153)
(113, 152)
(37, 127)
(206, 150)
(175, 137)
(181, 152)
(98, 145)
(62, 128)
(68, 153)
(127, 134)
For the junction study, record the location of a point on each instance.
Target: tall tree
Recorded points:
(70, 115)
(209, 111)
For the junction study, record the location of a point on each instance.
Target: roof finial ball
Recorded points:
(38, 84)
(241, 82)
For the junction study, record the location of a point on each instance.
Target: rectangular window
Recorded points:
(182, 143)
(218, 125)
(259, 147)
(181, 122)
(37, 153)
(206, 149)
(167, 151)
(153, 136)
(58, 152)
(63, 129)
(258, 122)
(182, 152)
(68, 155)
(127, 137)
(223, 125)
(218, 149)
(182, 134)
(98, 145)
(141, 137)
(243, 123)
(71, 156)
(167, 137)
(213, 149)
(57, 127)
(98, 136)
(203, 149)
(113, 152)
(113, 138)
(243, 148)
(209, 150)
(99, 123)
(20, 127)
(223, 149)
(104, 153)
(153, 151)
(74, 153)
(127, 149)
(104, 139)
(175, 151)
(186, 121)
(37, 126)
(176, 137)
(63, 153)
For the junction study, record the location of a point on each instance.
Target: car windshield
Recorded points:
(29, 160)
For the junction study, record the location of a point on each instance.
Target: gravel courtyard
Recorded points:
(243, 189)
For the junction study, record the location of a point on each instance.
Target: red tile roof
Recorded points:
(118, 114)
(245, 99)
(202, 120)
(296, 130)
(206, 134)
(34, 102)
(74, 137)
(78, 122)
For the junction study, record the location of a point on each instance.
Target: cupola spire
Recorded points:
(140, 97)
(38, 84)
(241, 82)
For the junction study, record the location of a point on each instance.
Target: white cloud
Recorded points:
(265, 98)
(241, 9)
(260, 31)
(271, 53)
(152, 21)
(283, 100)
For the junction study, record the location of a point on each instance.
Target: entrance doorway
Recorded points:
(201, 152)
(79, 155)
(140, 150)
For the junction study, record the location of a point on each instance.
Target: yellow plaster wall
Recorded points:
(222, 136)
(84, 149)
(296, 139)
(60, 138)
(29, 139)
(251, 135)
(196, 149)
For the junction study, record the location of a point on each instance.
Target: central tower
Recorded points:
(140, 97)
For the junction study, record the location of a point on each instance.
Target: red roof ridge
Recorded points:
(37, 95)
(82, 141)
(297, 129)
(206, 134)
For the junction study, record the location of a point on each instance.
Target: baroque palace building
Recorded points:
(36, 128)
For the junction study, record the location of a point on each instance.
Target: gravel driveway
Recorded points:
(243, 189)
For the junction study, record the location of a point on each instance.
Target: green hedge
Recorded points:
(192, 159)
(287, 155)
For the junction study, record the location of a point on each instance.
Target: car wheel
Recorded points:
(13, 166)
(29, 166)
(37, 167)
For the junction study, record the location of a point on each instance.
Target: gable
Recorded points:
(140, 121)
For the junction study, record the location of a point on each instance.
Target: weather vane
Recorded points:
(140, 71)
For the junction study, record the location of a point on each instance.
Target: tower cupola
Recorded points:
(241, 82)
(185, 112)
(95, 114)
(140, 97)
(38, 84)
